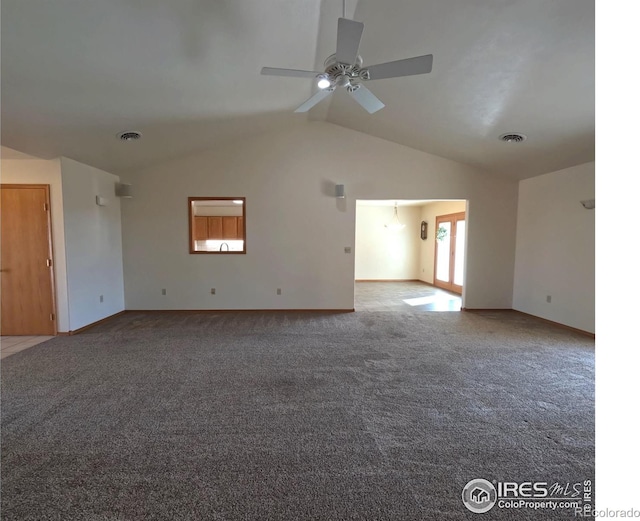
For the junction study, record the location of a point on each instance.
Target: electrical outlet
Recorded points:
(279, 291)
(164, 291)
(548, 298)
(101, 298)
(213, 291)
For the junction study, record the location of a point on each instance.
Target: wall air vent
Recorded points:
(513, 137)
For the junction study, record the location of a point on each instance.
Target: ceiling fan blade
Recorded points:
(349, 36)
(270, 71)
(314, 100)
(406, 67)
(367, 99)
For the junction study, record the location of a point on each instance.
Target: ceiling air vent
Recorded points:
(513, 137)
(130, 135)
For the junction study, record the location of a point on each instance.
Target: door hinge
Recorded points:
(49, 263)
(46, 207)
(52, 316)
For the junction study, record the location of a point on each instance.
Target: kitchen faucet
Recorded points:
(224, 244)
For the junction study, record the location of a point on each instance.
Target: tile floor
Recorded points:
(404, 296)
(10, 345)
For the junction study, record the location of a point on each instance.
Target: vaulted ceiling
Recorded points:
(186, 74)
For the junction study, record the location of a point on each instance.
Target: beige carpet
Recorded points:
(293, 416)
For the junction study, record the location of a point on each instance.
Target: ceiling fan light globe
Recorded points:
(323, 82)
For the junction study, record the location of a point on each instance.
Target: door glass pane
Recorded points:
(461, 230)
(443, 238)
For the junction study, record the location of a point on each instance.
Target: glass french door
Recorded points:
(449, 257)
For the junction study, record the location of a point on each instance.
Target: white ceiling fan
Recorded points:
(345, 69)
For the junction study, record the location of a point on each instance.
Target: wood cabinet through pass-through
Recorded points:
(218, 228)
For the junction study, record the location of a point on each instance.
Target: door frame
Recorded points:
(453, 218)
(47, 192)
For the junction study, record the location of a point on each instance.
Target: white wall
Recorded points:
(555, 247)
(383, 254)
(18, 168)
(93, 243)
(296, 229)
(428, 247)
(87, 240)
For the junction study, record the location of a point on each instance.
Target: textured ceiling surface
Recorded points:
(186, 74)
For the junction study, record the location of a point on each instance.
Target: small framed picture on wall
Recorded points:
(423, 230)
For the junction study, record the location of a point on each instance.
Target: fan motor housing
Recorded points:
(336, 70)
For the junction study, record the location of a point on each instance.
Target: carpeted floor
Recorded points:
(293, 416)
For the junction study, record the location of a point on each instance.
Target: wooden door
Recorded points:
(449, 254)
(28, 305)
